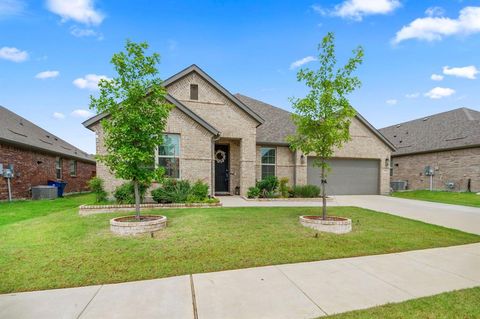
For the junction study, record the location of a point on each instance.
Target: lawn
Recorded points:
(466, 199)
(461, 304)
(48, 245)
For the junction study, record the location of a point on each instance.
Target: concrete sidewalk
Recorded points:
(303, 290)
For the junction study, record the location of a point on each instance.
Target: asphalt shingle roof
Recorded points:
(448, 130)
(16, 130)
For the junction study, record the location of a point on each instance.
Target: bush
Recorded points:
(125, 193)
(253, 192)
(199, 190)
(306, 191)
(268, 184)
(96, 186)
(180, 191)
(283, 187)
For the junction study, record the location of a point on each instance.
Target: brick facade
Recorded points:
(457, 166)
(34, 168)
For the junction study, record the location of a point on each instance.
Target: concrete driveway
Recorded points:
(452, 216)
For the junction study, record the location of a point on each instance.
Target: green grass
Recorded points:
(461, 304)
(466, 199)
(47, 245)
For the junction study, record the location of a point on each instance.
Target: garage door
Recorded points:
(347, 176)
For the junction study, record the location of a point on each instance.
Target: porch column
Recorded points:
(247, 164)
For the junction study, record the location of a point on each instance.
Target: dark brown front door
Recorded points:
(222, 175)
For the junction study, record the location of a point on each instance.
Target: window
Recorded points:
(58, 167)
(168, 155)
(73, 168)
(193, 91)
(268, 161)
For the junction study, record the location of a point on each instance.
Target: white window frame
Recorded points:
(75, 164)
(176, 156)
(268, 164)
(58, 167)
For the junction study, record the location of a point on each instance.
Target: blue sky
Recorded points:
(48, 48)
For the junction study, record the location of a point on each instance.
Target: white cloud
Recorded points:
(435, 28)
(435, 11)
(82, 11)
(436, 77)
(47, 75)
(391, 102)
(80, 33)
(439, 92)
(468, 72)
(319, 9)
(412, 95)
(82, 113)
(301, 62)
(13, 54)
(58, 115)
(90, 81)
(11, 8)
(357, 9)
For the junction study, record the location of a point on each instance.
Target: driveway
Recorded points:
(452, 216)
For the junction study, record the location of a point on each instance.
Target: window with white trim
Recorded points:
(73, 168)
(268, 155)
(58, 167)
(168, 155)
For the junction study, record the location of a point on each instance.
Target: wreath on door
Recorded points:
(220, 156)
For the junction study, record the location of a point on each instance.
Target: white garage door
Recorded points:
(348, 176)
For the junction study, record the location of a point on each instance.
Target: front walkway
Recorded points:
(452, 216)
(304, 290)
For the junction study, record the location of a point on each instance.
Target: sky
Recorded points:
(421, 57)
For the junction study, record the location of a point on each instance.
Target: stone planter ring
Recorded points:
(128, 225)
(332, 224)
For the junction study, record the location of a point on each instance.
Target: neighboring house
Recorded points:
(449, 143)
(231, 141)
(38, 156)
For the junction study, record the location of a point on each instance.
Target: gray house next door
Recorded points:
(348, 176)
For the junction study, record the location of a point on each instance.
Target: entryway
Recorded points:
(222, 169)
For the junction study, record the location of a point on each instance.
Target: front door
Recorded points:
(222, 175)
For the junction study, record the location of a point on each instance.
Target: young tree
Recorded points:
(323, 117)
(138, 112)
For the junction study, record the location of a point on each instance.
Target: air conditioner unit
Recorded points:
(44, 192)
(399, 185)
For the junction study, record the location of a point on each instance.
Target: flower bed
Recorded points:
(288, 199)
(99, 209)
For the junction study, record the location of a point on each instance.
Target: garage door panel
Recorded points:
(348, 176)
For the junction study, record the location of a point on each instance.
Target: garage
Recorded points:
(347, 176)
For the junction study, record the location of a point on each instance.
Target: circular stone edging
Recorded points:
(336, 225)
(137, 227)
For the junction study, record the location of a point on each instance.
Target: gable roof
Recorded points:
(279, 124)
(211, 81)
(18, 131)
(88, 123)
(459, 128)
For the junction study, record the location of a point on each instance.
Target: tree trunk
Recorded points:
(324, 186)
(137, 200)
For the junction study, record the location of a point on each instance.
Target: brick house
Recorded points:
(230, 141)
(38, 156)
(448, 143)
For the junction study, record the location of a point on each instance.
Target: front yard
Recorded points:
(455, 198)
(48, 245)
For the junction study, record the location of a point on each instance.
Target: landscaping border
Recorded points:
(287, 199)
(85, 210)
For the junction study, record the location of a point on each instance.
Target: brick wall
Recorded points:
(455, 166)
(34, 168)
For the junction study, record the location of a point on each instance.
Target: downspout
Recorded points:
(212, 182)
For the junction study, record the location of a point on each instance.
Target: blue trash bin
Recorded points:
(59, 185)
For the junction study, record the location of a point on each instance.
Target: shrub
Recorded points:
(173, 191)
(268, 184)
(253, 192)
(306, 191)
(125, 193)
(96, 186)
(283, 187)
(199, 190)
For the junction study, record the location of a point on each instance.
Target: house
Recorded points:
(38, 156)
(230, 141)
(447, 144)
